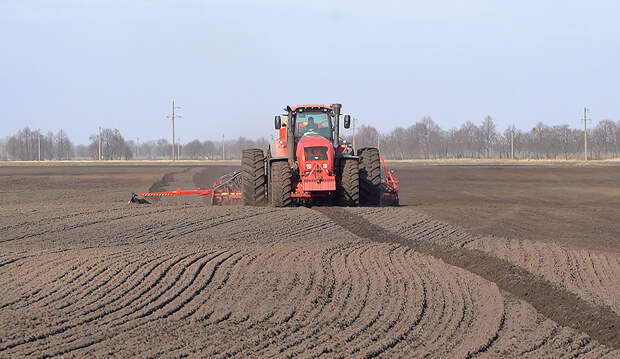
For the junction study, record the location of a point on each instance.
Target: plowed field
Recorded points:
(82, 273)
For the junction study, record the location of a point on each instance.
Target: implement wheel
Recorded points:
(370, 177)
(253, 179)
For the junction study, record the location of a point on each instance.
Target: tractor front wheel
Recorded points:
(348, 176)
(253, 179)
(280, 188)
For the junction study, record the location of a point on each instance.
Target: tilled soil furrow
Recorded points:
(63, 227)
(598, 322)
(180, 278)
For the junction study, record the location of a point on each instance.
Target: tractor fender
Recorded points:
(277, 149)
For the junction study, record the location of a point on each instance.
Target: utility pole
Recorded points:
(39, 140)
(173, 117)
(172, 130)
(585, 133)
(100, 154)
(223, 153)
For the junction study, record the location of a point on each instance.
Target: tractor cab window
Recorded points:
(313, 123)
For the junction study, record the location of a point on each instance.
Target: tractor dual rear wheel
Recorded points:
(370, 176)
(253, 179)
(348, 176)
(280, 187)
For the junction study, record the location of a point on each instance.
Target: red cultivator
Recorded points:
(389, 183)
(226, 188)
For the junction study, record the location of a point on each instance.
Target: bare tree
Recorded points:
(113, 145)
(489, 134)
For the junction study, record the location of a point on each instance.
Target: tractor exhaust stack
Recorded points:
(336, 107)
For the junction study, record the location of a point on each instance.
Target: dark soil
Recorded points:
(572, 206)
(83, 273)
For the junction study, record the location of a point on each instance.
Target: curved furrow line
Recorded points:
(430, 316)
(388, 305)
(444, 318)
(387, 335)
(134, 323)
(142, 301)
(100, 312)
(339, 330)
(372, 315)
(77, 288)
(59, 285)
(197, 291)
(348, 313)
(324, 300)
(206, 307)
(296, 341)
(457, 322)
(325, 334)
(72, 289)
(231, 273)
(303, 311)
(94, 315)
(29, 279)
(490, 341)
(142, 297)
(183, 348)
(101, 284)
(107, 292)
(235, 272)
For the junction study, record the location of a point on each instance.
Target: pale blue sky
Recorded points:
(233, 64)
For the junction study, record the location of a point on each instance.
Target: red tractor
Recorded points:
(311, 163)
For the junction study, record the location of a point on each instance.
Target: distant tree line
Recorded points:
(424, 139)
(24, 146)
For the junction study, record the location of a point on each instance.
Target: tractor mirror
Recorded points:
(278, 122)
(347, 121)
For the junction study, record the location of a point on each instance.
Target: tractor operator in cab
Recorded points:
(311, 126)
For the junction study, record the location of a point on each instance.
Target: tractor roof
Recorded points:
(309, 107)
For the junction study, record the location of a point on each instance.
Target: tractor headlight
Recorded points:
(325, 165)
(308, 166)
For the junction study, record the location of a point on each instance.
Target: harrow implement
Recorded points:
(389, 184)
(227, 187)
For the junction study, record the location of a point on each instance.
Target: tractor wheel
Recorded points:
(280, 188)
(370, 176)
(253, 177)
(348, 193)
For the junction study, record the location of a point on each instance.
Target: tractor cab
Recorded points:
(310, 120)
(313, 123)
